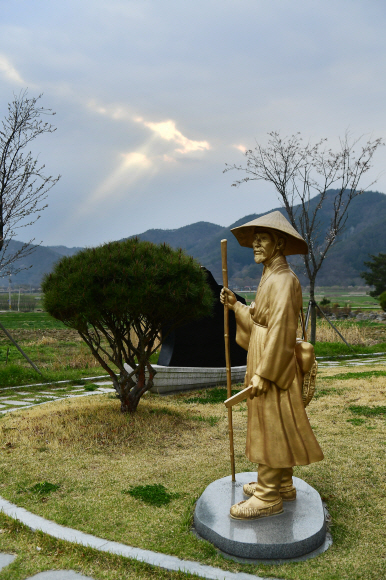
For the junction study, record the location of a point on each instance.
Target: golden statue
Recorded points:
(279, 434)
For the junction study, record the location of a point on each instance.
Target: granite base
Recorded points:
(298, 531)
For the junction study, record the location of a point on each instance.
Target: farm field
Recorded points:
(356, 299)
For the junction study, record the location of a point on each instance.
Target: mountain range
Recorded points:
(364, 234)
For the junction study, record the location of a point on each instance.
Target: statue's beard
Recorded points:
(264, 258)
(260, 257)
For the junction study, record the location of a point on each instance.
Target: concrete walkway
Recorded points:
(154, 558)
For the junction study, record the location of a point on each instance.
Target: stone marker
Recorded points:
(201, 343)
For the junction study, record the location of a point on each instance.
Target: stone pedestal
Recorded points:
(296, 532)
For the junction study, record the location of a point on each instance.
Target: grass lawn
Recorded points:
(83, 464)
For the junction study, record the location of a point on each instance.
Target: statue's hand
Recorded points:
(259, 386)
(231, 297)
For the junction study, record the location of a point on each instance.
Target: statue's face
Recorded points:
(263, 245)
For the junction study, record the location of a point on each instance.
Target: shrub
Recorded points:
(325, 301)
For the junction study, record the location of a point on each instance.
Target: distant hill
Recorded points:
(365, 234)
(64, 251)
(37, 264)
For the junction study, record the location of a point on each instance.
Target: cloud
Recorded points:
(9, 71)
(115, 112)
(241, 148)
(167, 130)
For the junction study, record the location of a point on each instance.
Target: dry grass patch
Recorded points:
(94, 453)
(352, 333)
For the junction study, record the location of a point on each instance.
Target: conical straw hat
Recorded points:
(273, 221)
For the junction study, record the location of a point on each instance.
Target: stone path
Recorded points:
(362, 360)
(6, 559)
(18, 398)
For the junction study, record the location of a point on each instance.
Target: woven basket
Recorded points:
(309, 383)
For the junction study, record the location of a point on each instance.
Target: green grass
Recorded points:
(14, 375)
(333, 349)
(91, 387)
(358, 375)
(367, 411)
(44, 488)
(156, 495)
(211, 396)
(211, 419)
(29, 320)
(321, 392)
(356, 421)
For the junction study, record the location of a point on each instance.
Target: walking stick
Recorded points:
(227, 353)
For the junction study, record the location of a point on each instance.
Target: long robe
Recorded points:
(279, 433)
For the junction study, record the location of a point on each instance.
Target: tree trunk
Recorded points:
(313, 312)
(129, 403)
(130, 393)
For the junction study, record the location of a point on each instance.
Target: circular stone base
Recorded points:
(299, 530)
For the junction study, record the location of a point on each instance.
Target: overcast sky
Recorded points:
(153, 98)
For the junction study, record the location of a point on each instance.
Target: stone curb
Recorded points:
(153, 558)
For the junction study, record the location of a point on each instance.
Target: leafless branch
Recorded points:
(23, 184)
(303, 175)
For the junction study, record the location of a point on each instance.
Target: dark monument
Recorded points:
(201, 343)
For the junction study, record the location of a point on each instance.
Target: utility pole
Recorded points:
(9, 293)
(18, 302)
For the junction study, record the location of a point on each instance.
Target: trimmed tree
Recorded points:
(118, 296)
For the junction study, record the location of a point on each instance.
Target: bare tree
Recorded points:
(23, 185)
(302, 175)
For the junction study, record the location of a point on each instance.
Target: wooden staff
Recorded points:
(227, 353)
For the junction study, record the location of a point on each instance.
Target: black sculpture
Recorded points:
(201, 343)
